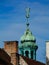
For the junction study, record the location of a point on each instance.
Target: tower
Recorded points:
(28, 45)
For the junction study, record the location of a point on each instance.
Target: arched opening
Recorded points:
(27, 53)
(31, 54)
(22, 52)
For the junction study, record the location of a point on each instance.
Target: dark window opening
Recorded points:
(27, 53)
(31, 54)
(22, 53)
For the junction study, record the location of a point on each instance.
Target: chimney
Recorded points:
(11, 47)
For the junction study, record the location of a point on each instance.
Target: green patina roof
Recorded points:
(27, 44)
(27, 36)
(28, 39)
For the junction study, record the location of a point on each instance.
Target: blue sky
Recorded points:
(13, 22)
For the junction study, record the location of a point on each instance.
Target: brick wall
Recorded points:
(11, 47)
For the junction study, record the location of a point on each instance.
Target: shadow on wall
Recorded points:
(47, 61)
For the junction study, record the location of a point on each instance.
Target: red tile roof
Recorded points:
(30, 61)
(4, 57)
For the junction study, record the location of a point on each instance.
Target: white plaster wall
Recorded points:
(47, 49)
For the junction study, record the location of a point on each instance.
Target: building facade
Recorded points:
(11, 48)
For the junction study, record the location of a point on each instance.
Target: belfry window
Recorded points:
(27, 53)
(22, 53)
(31, 54)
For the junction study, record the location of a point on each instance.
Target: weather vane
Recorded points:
(27, 15)
(27, 12)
